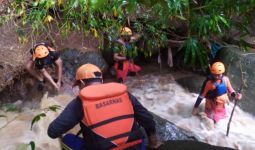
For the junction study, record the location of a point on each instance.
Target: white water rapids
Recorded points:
(160, 94)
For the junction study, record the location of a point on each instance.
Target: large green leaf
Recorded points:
(32, 145)
(54, 108)
(36, 119)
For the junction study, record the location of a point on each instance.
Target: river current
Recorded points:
(159, 93)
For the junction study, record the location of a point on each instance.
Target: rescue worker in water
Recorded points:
(108, 114)
(215, 89)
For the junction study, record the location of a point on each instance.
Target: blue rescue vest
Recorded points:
(220, 89)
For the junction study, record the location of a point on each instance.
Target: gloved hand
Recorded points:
(238, 96)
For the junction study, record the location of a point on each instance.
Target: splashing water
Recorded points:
(15, 127)
(164, 97)
(159, 94)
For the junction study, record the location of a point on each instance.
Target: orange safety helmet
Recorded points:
(40, 51)
(88, 71)
(217, 68)
(125, 31)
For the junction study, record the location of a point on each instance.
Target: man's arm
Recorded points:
(49, 78)
(116, 57)
(233, 93)
(201, 96)
(135, 37)
(145, 119)
(29, 66)
(70, 116)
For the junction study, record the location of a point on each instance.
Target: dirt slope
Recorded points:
(14, 55)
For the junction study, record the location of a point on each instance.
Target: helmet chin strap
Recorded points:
(83, 84)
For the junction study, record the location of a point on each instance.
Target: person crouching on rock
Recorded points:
(124, 52)
(44, 56)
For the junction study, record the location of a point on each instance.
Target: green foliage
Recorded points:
(24, 146)
(210, 24)
(32, 145)
(38, 117)
(154, 19)
(8, 107)
(194, 53)
(54, 108)
(244, 46)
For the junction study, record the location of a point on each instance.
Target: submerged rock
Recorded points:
(168, 131)
(190, 145)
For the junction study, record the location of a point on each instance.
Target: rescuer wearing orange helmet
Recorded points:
(215, 90)
(44, 56)
(124, 52)
(108, 114)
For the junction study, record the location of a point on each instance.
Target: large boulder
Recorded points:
(192, 83)
(168, 131)
(73, 58)
(236, 62)
(180, 139)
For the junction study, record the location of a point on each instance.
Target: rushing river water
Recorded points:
(159, 93)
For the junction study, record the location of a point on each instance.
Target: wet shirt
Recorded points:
(41, 63)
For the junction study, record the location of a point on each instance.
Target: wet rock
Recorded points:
(192, 83)
(235, 61)
(73, 58)
(18, 104)
(179, 139)
(1, 67)
(168, 131)
(190, 145)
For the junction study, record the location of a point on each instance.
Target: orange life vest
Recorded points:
(109, 113)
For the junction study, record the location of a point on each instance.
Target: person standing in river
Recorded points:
(215, 89)
(44, 56)
(109, 116)
(124, 53)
